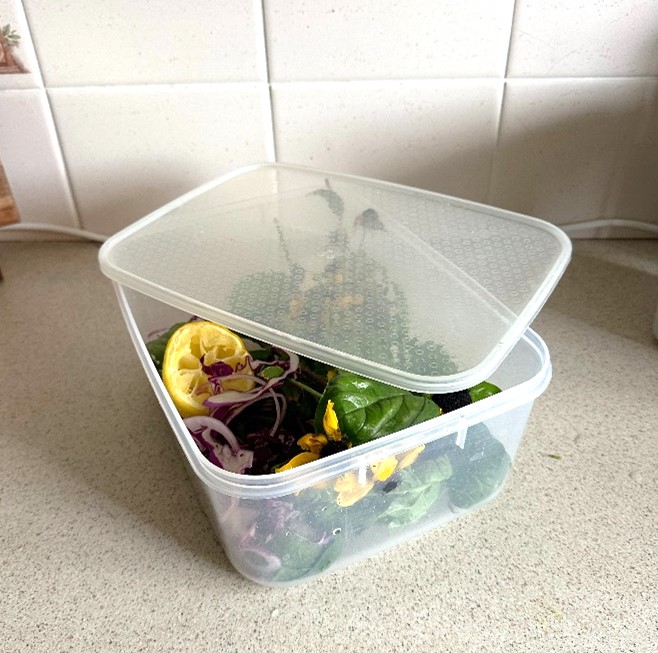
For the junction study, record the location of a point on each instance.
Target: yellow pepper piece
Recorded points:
(350, 490)
(383, 469)
(313, 443)
(410, 457)
(299, 459)
(330, 422)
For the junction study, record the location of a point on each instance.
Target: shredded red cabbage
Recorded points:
(253, 452)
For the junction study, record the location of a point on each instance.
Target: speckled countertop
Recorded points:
(103, 546)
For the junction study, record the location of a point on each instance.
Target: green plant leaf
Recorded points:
(301, 558)
(418, 489)
(313, 538)
(480, 468)
(333, 199)
(368, 409)
(265, 296)
(272, 372)
(482, 391)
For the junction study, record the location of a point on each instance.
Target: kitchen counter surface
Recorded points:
(103, 546)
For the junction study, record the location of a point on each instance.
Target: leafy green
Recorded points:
(156, 348)
(265, 353)
(333, 199)
(368, 409)
(426, 357)
(302, 394)
(263, 295)
(480, 468)
(301, 557)
(483, 390)
(314, 373)
(313, 539)
(351, 305)
(418, 489)
(272, 372)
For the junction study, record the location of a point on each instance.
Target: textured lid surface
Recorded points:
(420, 290)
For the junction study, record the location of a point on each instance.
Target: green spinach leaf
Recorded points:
(426, 357)
(333, 199)
(368, 409)
(313, 538)
(480, 468)
(266, 296)
(418, 488)
(483, 390)
(301, 557)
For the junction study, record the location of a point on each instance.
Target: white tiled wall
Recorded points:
(545, 107)
(130, 149)
(317, 40)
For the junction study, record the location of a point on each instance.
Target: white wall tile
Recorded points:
(129, 150)
(435, 135)
(147, 41)
(562, 38)
(416, 39)
(634, 187)
(425, 111)
(31, 158)
(18, 62)
(560, 146)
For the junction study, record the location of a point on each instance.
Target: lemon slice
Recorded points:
(182, 371)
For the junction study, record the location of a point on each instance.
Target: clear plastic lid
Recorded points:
(416, 289)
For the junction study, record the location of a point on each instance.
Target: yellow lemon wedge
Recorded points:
(182, 370)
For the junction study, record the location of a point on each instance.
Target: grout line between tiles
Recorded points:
(363, 82)
(499, 126)
(501, 105)
(584, 78)
(63, 162)
(273, 145)
(38, 74)
(509, 40)
(156, 86)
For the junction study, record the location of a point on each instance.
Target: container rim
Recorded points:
(294, 480)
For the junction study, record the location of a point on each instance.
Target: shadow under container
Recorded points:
(289, 527)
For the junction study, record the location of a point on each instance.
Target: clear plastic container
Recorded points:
(282, 529)
(418, 290)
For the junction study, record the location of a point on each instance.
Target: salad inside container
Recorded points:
(323, 321)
